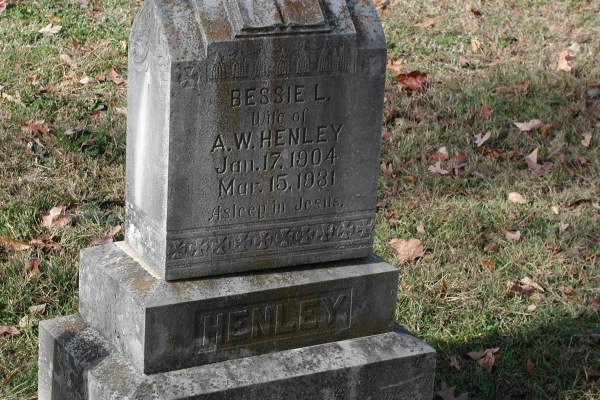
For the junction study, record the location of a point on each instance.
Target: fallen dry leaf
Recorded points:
(486, 358)
(3, 5)
(443, 290)
(568, 290)
(532, 162)
(562, 227)
(545, 129)
(85, 80)
(412, 81)
(485, 112)
(9, 330)
(396, 66)
(448, 393)
(37, 126)
(407, 249)
(531, 308)
(555, 209)
(9, 244)
(460, 162)
(32, 267)
(440, 155)
(488, 264)
(529, 125)
(429, 22)
(524, 286)
(437, 169)
(491, 247)
(472, 10)
(586, 139)
(454, 362)
(566, 56)
(421, 229)
(522, 87)
(475, 45)
(51, 29)
(512, 235)
(517, 198)
(596, 303)
(44, 242)
(387, 169)
(37, 309)
(110, 75)
(482, 138)
(56, 217)
(108, 238)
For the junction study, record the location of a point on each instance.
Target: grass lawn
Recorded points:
(488, 65)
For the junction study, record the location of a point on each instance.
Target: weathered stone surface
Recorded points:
(78, 364)
(253, 133)
(163, 326)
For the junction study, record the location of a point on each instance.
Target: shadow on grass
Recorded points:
(563, 356)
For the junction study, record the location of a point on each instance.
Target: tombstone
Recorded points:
(246, 270)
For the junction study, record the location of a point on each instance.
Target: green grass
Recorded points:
(80, 164)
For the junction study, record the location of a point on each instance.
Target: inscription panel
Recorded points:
(281, 166)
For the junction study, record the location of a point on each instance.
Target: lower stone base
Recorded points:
(75, 362)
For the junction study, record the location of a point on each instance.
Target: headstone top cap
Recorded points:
(269, 17)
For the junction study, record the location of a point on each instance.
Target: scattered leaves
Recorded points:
(3, 5)
(412, 81)
(421, 229)
(529, 125)
(545, 129)
(488, 264)
(454, 362)
(440, 155)
(486, 358)
(37, 126)
(429, 22)
(512, 235)
(460, 162)
(555, 209)
(437, 169)
(532, 163)
(524, 286)
(475, 45)
(482, 138)
(51, 29)
(37, 309)
(57, 217)
(11, 245)
(448, 393)
(407, 249)
(110, 75)
(517, 198)
(596, 303)
(387, 169)
(9, 330)
(565, 57)
(108, 238)
(32, 267)
(586, 139)
(443, 290)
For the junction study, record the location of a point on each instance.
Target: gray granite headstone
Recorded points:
(252, 148)
(253, 133)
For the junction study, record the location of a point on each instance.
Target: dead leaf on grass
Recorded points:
(486, 358)
(528, 126)
(454, 362)
(110, 75)
(555, 209)
(440, 155)
(545, 129)
(460, 162)
(421, 229)
(443, 290)
(595, 303)
(475, 45)
(44, 242)
(37, 126)
(513, 236)
(530, 365)
(108, 238)
(11, 245)
(586, 139)
(3, 5)
(482, 138)
(396, 66)
(517, 198)
(562, 227)
(51, 29)
(387, 169)
(532, 162)
(437, 169)
(488, 264)
(57, 217)
(522, 87)
(407, 249)
(566, 56)
(37, 309)
(524, 286)
(32, 267)
(412, 81)
(429, 22)
(448, 393)
(9, 330)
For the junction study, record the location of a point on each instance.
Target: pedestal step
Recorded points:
(163, 326)
(76, 362)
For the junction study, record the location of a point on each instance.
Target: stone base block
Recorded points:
(75, 362)
(163, 326)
